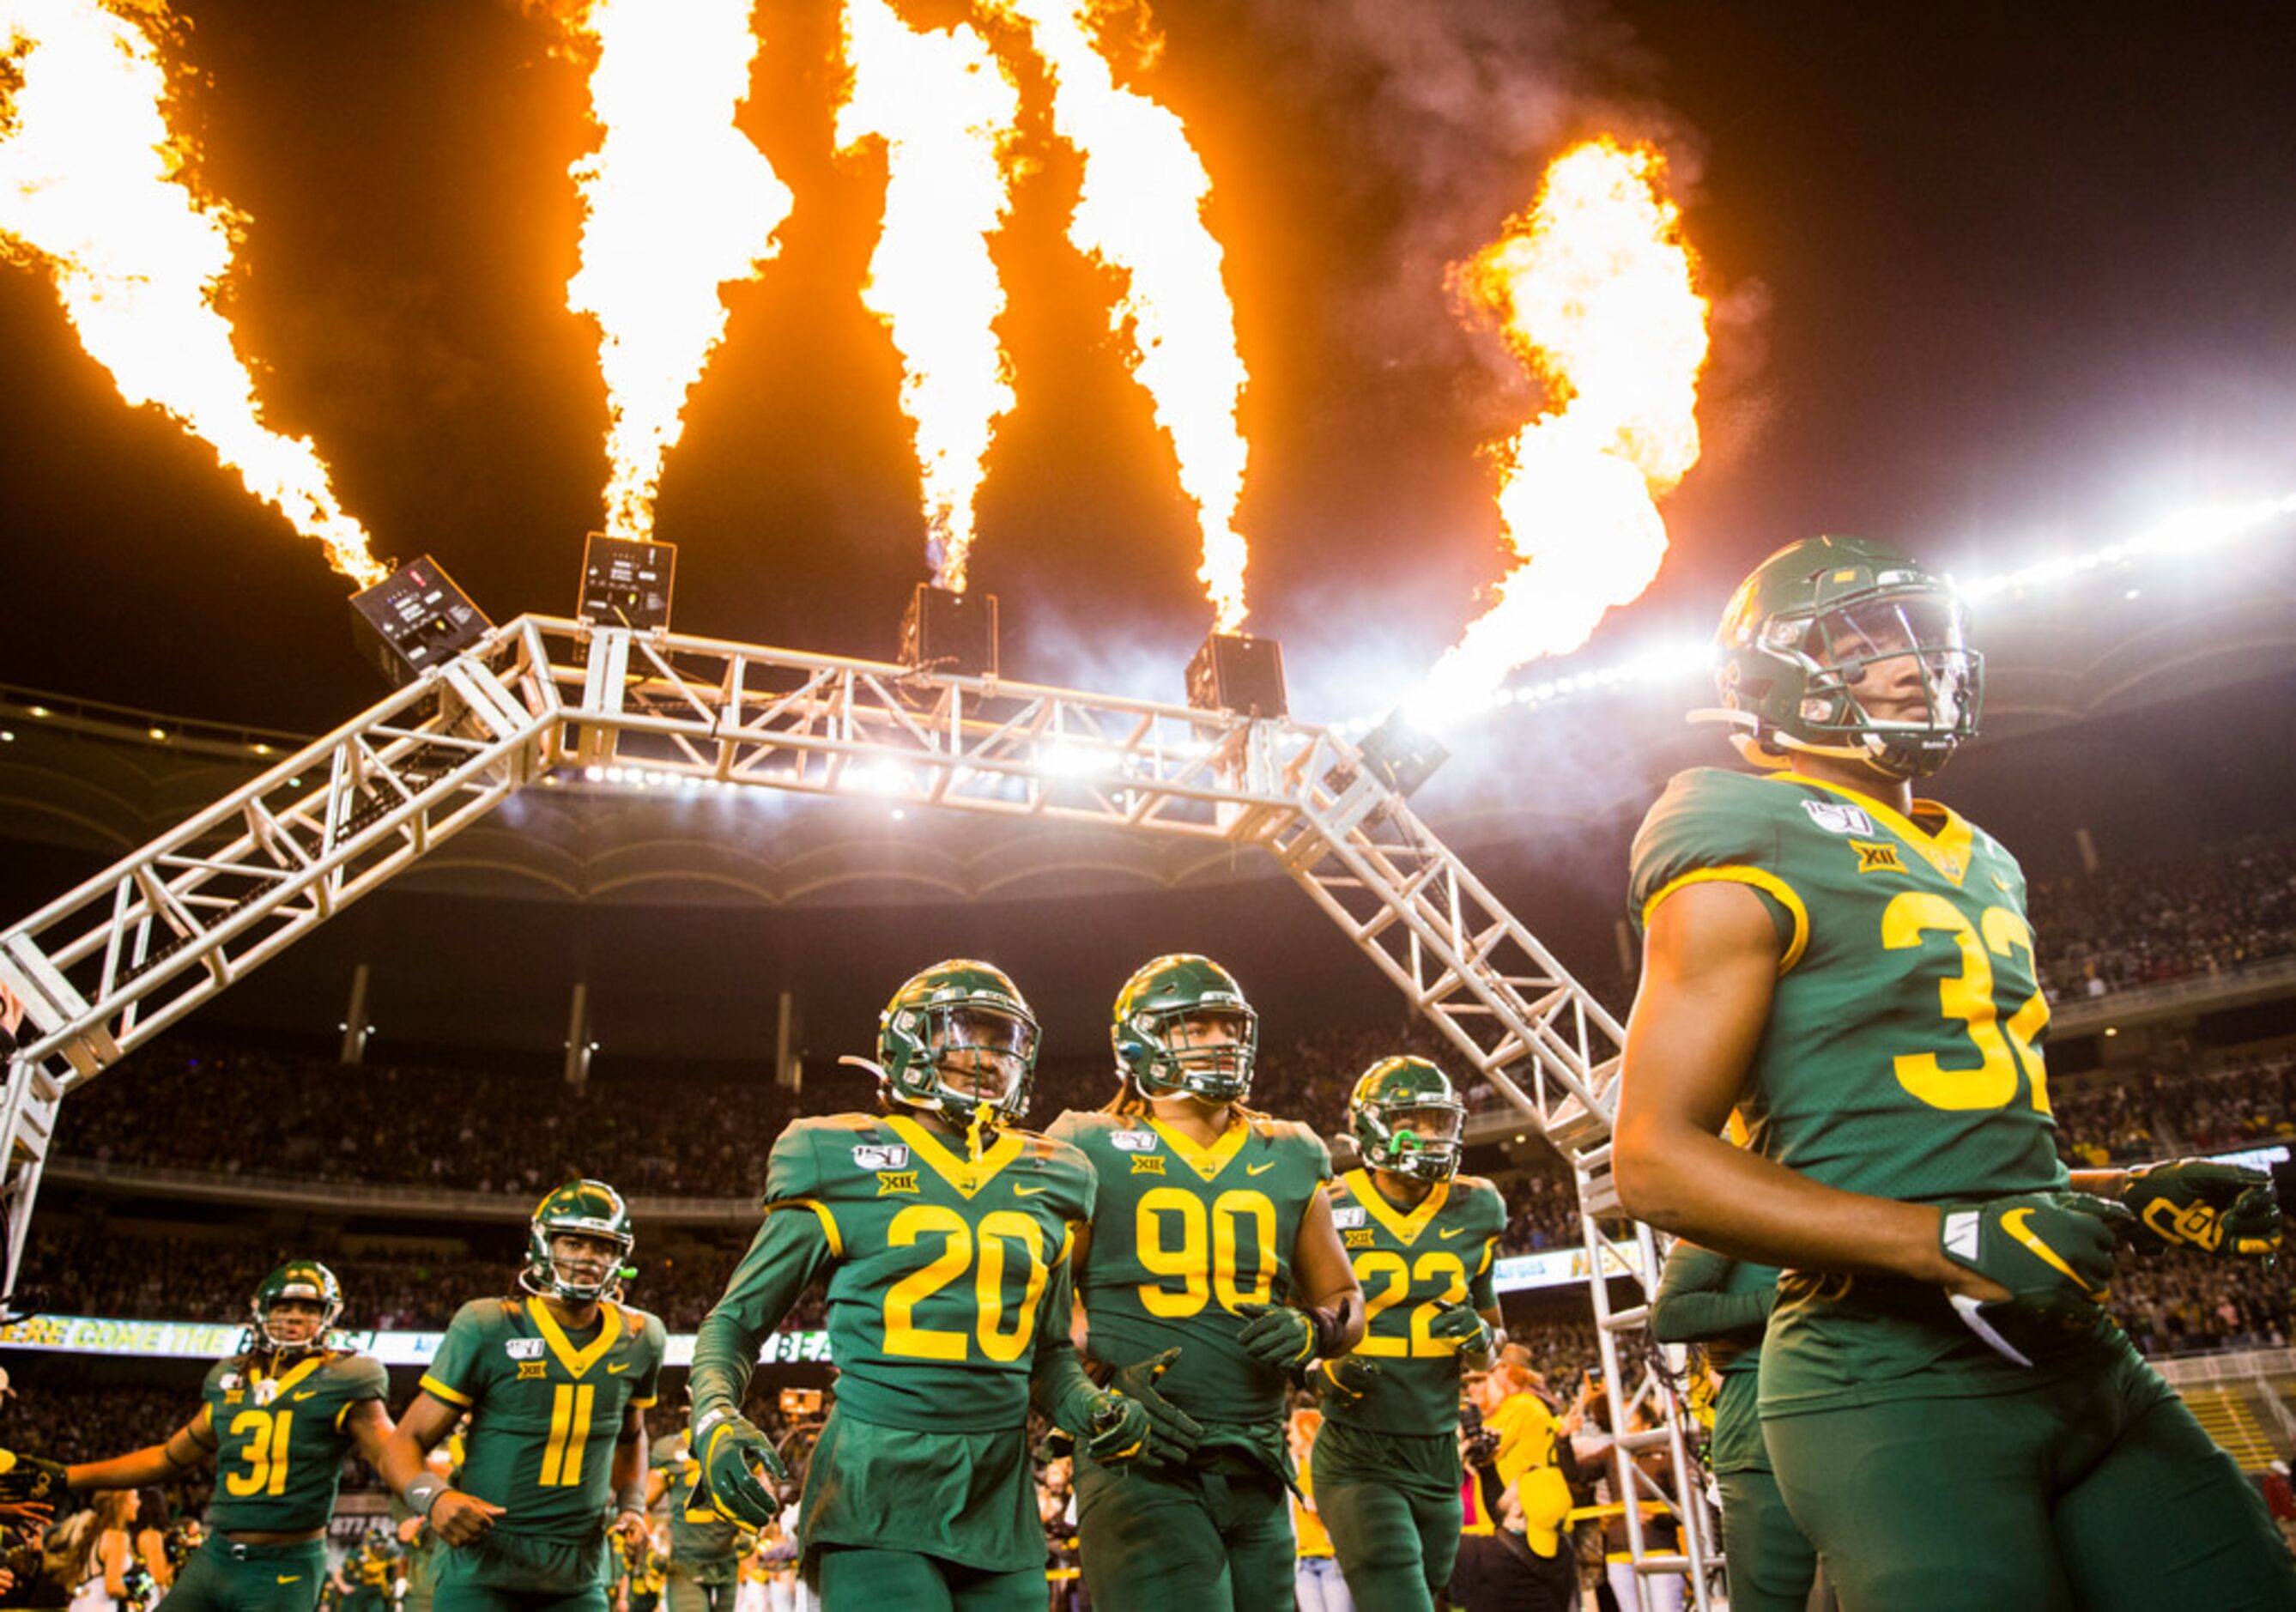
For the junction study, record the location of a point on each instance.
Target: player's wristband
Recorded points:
(424, 1494)
(632, 1498)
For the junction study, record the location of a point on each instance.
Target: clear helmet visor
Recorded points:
(1431, 1127)
(1903, 658)
(983, 1053)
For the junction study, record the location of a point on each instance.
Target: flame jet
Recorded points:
(92, 185)
(1141, 212)
(676, 201)
(1592, 290)
(946, 112)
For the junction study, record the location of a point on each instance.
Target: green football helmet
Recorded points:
(949, 1011)
(1407, 1120)
(1156, 1004)
(1841, 647)
(305, 1279)
(591, 1209)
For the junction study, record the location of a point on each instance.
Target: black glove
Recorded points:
(25, 1477)
(1172, 1432)
(1347, 1379)
(2199, 1203)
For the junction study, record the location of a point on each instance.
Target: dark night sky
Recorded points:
(1987, 277)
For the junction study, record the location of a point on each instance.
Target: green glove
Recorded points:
(25, 1477)
(1121, 1432)
(2052, 1250)
(1459, 1324)
(1172, 1432)
(734, 1456)
(1346, 1380)
(2198, 1204)
(1276, 1336)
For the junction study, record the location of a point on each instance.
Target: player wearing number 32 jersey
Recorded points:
(942, 1233)
(1953, 1419)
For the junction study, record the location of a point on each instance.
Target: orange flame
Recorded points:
(1593, 291)
(677, 202)
(946, 112)
(92, 185)
(1141, 212)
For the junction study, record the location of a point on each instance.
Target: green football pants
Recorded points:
(1395, 1546)
(854, 1579)
(2096, 1492)
(686, 1593)
(224, 1577)
(1771, 1564)
(505, 1571)
(1185, 1541)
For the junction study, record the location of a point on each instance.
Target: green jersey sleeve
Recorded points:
(791, 1250)
(454, 1374)
(1712, 1299)
(1706, 827)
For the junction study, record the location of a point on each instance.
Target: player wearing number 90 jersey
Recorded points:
(277, 1419)
(1852, 970)
(943, 1236)
(1211, 1257)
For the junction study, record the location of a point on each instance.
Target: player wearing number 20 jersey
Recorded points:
(942, 1234)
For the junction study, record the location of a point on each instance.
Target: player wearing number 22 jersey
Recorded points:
(1422, 1238)
(1210, 1278)
(942, 1234)
(277, 1420)
(1953, 1419)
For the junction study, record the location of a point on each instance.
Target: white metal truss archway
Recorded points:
(116, 961)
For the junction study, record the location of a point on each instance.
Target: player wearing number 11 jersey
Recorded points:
(1953, 1420)
(277, 1420)
(942, 1233)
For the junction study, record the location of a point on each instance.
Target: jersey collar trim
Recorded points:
(286, 1381)
(1206, 1162)
(1948, 849)
(959, 1172)
(1406, 1227)
(576, 1360)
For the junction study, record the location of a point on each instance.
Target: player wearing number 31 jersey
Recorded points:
(943, 1235)
(1954, 1420)
(277, 1420)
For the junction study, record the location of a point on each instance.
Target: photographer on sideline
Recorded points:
(1513, 1555)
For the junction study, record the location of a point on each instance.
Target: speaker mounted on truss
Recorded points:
(415, 619)
(625, 582)
(1238, 673)
(949, 633)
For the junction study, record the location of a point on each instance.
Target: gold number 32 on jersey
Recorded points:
(1968, 996)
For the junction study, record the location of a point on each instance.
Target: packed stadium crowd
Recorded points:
(2224, 908)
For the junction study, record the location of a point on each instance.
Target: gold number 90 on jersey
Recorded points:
(1203, 1250)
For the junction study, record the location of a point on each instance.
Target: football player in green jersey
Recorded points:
(942, 1231)
(1210, 1280)
(703, 1568)
(1724, 1305)
(1422, 1238)
(1953, 1420)
(277, 1419)
(556, 1381)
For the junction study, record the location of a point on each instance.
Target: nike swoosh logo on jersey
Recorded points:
(1447, 1236)
(1259, 1169)
(289, 1578)
(2013, 1223)
(618, 1366)
(1021, 1191)
(302, 1394)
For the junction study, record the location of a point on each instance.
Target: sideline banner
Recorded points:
(207, 1340)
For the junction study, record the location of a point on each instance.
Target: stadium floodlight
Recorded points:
(1236, 672)
(415, 618)
(949, 633)
(625, 582)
